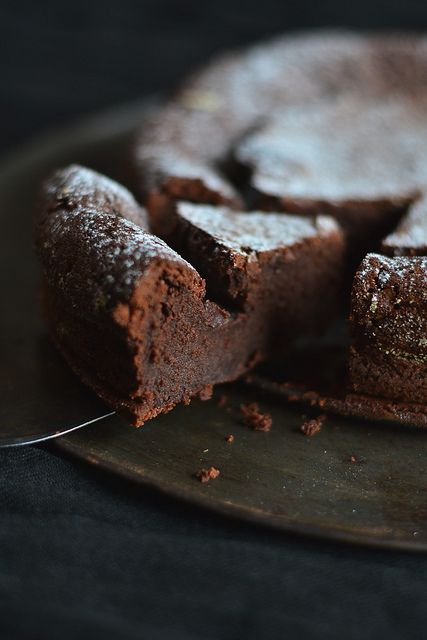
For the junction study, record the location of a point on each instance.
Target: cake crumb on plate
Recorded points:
(252, 417)
(205, 475)
(313, 426)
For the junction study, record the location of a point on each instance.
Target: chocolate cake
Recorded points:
(265, 178)
(132, 316)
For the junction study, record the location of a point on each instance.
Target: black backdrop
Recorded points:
(86, 555)
(61, 59)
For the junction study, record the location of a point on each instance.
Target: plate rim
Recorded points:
(244, 514)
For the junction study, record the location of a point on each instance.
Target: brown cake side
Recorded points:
(388, 357)
(132, 317)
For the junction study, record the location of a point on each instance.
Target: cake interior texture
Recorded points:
(267, 183)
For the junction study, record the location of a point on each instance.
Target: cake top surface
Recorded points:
(257, 232)
(92, 246)
(214, 108)
(349, 150)
(77, 188)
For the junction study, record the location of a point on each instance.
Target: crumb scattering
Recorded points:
(205, 475)
(229, 438)
(254, 418)
(313, 426)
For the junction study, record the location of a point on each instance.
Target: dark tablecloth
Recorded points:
(84, 554)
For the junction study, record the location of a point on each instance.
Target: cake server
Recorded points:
(40, 398)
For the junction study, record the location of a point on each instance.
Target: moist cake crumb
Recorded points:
(254, 418)
(313, 426)
(205, 475)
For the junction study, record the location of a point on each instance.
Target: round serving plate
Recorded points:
(354, 481)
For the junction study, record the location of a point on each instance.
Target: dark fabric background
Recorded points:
(83, 554)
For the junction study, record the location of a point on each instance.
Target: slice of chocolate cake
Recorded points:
(181, 148)
(388, 357)
(132, 316)
(113, 293)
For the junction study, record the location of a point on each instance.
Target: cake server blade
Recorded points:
(40, 398)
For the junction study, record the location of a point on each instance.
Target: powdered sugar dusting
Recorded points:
(237, 92)
(352, 149)
(76, 187)
(390, 304)
(246, 233)
(91, 252)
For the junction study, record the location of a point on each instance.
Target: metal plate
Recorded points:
(281, 479)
